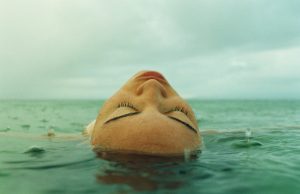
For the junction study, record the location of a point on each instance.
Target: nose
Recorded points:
(152, 91)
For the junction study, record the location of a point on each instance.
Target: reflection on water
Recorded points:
(144, 173)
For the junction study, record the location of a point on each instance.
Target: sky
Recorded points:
(87, 49)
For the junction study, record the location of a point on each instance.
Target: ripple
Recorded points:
(14, 118)
(34, 164)
(246, 144)
(44, 121)
(25, 126)
(5, 130)
(50, 166)
(35, 150)
(4, 174)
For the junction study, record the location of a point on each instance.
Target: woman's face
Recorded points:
(146, 116)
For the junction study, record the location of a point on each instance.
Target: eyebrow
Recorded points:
(135, 113)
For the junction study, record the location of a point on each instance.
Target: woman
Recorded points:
(146, 116)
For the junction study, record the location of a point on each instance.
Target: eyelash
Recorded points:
(127, 104)
(180, 109)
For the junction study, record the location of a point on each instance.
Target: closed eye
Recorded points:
(184, 123)
(179, 109)
(135, 113)
(121, 116)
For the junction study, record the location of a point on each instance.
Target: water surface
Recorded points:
(267, 161)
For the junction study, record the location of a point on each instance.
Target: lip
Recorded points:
(152, 75)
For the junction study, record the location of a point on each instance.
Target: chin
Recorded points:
(148, 150)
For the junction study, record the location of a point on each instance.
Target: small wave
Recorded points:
(25, 126)
(49, 166)
(5, 130)
(35, 150)
(246, 144)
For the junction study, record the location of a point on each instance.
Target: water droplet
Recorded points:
(51, 132)
(248, 133)
(187, 154)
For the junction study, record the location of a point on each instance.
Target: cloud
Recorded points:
(87, 49)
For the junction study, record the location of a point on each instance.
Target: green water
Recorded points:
(266, 162)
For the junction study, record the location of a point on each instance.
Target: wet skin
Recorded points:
(146, 116)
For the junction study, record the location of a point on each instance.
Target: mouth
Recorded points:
(152, 75)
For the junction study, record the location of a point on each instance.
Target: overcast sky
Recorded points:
(206, 49)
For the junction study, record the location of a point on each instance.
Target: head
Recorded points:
(146, 116)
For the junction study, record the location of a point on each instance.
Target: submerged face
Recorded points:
(146, 116)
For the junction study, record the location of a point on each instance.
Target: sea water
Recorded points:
(250, 146)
